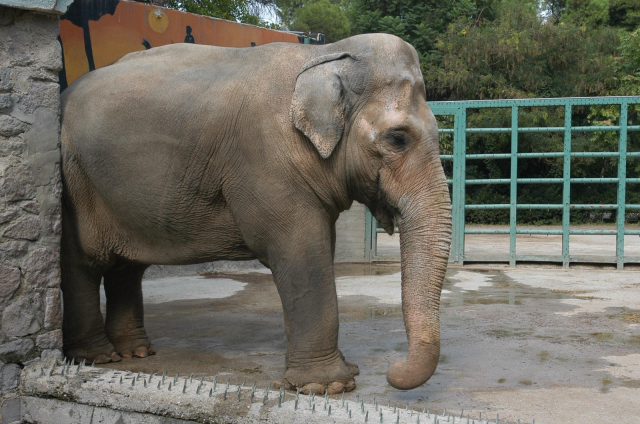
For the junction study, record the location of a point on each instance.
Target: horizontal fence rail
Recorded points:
(458, 110)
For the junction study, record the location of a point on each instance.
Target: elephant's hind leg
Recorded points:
(125, 312)
(83, 327)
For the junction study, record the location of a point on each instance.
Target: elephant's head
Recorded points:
(363, 106)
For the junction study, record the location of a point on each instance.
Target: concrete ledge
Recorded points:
(56, 7)
(73, 394)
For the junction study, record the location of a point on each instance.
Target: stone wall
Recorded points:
(30, 190)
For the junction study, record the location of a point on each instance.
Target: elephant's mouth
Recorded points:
(385, 216)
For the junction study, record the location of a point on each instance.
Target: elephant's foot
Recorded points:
(130, 341)
(336, 378)
(353, 368)
(101, 353)
(133, 347)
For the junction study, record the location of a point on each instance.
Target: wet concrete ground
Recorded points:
(554, 345)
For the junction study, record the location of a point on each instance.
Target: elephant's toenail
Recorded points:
(335, 387)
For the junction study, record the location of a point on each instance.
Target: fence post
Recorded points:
(622, 184)
(513, 198)
(459, 176)
(566, 186)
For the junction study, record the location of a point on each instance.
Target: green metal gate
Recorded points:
(458, 110)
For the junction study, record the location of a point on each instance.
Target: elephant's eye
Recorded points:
(398, 141)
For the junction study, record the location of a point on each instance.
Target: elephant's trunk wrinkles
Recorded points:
(425, 238)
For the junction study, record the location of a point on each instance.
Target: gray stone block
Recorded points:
(50, 340)
(12, 250)
(10, 411)
(27, 228)
(49, 355)
(20, 317)
(53, 310)
(7, 215)
(45, 411)
(32, 207)
(9, 377)
(10, 126)
(18, 183)
(5, 80)
(9, 280)
(5, 101)
(42, 267)
(15, 350)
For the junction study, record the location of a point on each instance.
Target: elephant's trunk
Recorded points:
(425, 237)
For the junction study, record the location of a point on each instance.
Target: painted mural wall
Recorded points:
(96, 33)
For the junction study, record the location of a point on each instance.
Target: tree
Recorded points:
(587, 13)
(322, 16)
(233, 10)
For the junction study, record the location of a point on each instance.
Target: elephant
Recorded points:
(187, 153)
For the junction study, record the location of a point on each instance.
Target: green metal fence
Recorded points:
(458, 110)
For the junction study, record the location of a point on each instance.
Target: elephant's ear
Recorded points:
(319, 106)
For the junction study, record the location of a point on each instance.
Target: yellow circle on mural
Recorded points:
(158, 20)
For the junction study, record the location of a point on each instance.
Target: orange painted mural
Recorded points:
(96, 33)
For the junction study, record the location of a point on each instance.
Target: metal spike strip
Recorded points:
(366, 417)
(191, 378)
(349, 414)
(65, 361)
(343, 398)
(243, 381)
(151, 376)
(145, 383)
(133, 381)
(296, 405)
(120, 379)
(211, 392)
(239, 393)
(329, 410)
(279, 402)
(215, 382)
(73, 361)
(164, 374)
(159, 384)
(462, 413)
(398, 418)
(497, 419)
(138, 376)
(310, 397)
(41, 372)
(175, 379)
(224, 397)
(381, 416)
(93, 364)
(313, 410)
(169, 386)
(228, 383)
(184, 388)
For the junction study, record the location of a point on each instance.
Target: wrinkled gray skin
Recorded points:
(187, 153)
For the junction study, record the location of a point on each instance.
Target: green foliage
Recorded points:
(233, 10)
(519, 56)
(322, 16)
(587, 13)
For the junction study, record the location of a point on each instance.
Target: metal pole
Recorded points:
(566, 186)
(514, 186)
(622, 186)
(459, 166)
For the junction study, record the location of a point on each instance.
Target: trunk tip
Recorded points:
(405, 376)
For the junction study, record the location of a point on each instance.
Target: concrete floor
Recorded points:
(554, 345)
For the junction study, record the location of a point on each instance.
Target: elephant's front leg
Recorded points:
(305, 281)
